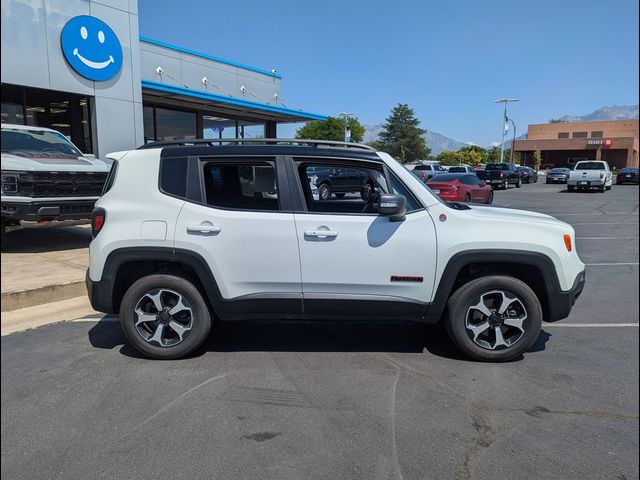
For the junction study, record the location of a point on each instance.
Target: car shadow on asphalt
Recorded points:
(46, 238)
(279, 336)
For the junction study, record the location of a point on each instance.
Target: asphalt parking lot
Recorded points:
(358, 401)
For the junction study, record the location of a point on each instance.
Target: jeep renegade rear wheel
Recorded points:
(164, 316)
(494, 318)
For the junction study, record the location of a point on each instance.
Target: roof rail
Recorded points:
(209, 142)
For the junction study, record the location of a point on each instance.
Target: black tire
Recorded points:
(519, 184)
(571, 188)
(461, 303)
(3, 237)
(200, 317)
(467, 198)
(602, 189)
(609, 187)
(340, 195)
(324, 191)
(491, 196)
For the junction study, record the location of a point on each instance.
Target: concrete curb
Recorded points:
(38, 296)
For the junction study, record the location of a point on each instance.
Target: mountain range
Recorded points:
(440, 143)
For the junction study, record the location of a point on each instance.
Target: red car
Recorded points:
(461, 187)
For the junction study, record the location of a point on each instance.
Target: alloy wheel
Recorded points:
(496, 320)
(163, 317)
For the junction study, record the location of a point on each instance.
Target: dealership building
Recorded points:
(81, 67)
(563, 144)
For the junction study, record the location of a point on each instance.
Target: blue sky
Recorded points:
(447, 59)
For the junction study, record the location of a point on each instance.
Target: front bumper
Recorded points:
(48, 210)
(561, 303)
(625, 179)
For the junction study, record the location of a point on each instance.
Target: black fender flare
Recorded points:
(537, 260)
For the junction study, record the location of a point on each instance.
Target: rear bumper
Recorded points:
(586, 183)
(100, 294)
(561, 303)
(48, 210)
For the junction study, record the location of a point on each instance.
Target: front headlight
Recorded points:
(10, 183)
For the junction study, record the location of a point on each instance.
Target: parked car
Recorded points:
(528, 174)
(558, 175)
(426, 171)
(340, 181)
(45, 177)
(461, 187)
(188, 233)
(590, 174)
(627, 175)
(501, 175)
(461, 169)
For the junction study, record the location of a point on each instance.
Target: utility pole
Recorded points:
(504, 122)
(513, 142)
(347, 131)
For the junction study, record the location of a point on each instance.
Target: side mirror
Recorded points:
(393, 206)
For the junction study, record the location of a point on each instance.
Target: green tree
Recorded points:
(332, 129)
(471, 155)
(493, 155)
(401, 137)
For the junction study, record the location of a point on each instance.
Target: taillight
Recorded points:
(501, 174)
(98, 217)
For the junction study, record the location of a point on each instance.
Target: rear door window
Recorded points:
(246, 185)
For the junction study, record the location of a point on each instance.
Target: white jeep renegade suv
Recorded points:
(187, 233)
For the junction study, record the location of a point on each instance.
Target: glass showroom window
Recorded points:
(149, 124)
(175, 125)
(250, 129)
(218, 127)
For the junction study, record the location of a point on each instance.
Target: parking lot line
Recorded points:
(609, 264)
(590, 325)
(606, 238)
(584, 214)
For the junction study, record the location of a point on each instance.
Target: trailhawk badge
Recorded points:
(91, 48)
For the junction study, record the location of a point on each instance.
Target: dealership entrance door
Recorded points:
(66, 112)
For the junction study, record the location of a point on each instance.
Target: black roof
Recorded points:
(239, 146)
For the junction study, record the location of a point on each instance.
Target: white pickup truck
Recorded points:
(590, 174)
(45, 177)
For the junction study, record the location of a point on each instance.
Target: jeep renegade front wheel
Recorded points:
(494, 318)
(164, 316)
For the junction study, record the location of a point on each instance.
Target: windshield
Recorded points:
(629, 170)
(559, 170)
(457, 170)
(590, 166)
(497, 166)
(37, 143)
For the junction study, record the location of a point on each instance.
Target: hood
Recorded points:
(45, 164)
(512, 215)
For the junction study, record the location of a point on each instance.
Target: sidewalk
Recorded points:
(43, 264)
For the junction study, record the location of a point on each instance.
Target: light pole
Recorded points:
(347, 131)
(504, 121)
(513, 142)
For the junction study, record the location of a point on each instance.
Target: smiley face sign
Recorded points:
(91, 48)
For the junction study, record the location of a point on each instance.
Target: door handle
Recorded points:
(203, 228)
(321, 233)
